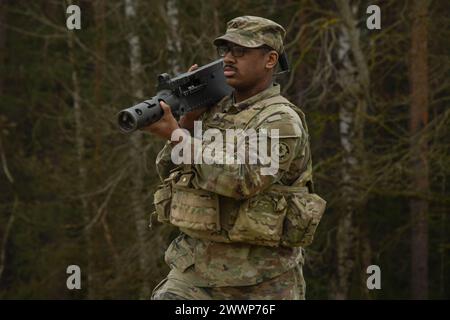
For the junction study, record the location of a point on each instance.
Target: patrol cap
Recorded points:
(253, 32)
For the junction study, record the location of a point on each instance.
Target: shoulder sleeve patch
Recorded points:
(284, 152)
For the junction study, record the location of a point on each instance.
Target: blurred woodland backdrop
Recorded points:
(75, 190)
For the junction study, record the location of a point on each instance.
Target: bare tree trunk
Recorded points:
(443, 237)
(5, 237)
(353, 77)
(4, 163)
(419, 147)
(100, 54)
(82, 181)
(99, 10)
(216, 20)
(365, 254)
(137, 199)
(2, 40)
(174, 42)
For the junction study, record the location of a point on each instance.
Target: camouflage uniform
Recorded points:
(242, 231)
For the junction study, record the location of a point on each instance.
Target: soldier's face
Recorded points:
(253, 67)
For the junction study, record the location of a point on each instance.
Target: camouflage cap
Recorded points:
(253, 32)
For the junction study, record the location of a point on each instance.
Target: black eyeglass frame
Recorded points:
(238, 51)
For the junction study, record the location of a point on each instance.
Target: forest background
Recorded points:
(74, 190)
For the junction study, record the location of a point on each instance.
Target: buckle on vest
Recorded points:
(185, 180)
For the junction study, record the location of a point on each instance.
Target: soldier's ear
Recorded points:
(272, 59)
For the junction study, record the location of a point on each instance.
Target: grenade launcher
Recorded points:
(186, 92)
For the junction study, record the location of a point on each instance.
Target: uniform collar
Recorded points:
(229, 106)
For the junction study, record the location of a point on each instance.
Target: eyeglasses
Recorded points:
(237, 51)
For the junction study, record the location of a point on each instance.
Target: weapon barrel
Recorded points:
(145, 113)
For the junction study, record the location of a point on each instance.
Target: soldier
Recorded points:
(242, 232)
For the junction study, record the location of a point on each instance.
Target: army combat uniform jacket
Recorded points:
(240, 227)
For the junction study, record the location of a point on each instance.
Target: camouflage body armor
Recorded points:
(241, 227)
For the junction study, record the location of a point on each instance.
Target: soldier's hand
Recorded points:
(193, 67)
(187, 120)
(166, 125)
